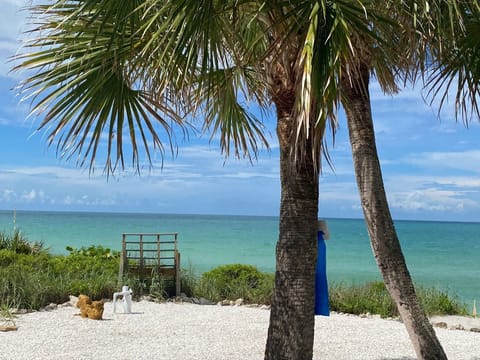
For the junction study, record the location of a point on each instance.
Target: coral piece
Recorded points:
(83, 303)
(95, 310)
(84, 310)
(88, 309)
(82, 300)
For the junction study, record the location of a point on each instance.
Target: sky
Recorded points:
(430, 164)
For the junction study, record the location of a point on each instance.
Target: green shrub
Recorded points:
(262, 294)
(92, 271)
(94, 251)
(7, 257)
(235, 281)
(34, 280)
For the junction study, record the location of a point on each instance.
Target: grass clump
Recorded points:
(7, 317)
(374, 298)
(19, 244)
(371, 298)
(438, 302)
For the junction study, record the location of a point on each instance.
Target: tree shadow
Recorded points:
(412, 358)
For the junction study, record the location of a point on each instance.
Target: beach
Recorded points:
(187, 331)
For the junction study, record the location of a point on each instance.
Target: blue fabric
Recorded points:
(321, 285)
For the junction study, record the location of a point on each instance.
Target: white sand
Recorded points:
(185, 331)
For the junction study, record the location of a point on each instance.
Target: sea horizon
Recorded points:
(218, 214)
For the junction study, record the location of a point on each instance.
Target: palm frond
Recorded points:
(225, 115)
(327, 52)
(83, 85)
(215, 66)
(456, 67)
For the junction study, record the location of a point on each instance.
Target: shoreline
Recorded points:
(188, 331)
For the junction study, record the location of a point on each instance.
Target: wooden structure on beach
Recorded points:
(150, 256)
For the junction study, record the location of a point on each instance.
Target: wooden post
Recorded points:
(178, 272)
(140, 265)
(158, 255)
(178, 280)
(123, 260)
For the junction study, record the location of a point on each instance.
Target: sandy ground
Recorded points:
(186, 331)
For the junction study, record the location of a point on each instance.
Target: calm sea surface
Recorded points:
(440, 254)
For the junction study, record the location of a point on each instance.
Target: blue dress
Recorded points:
(321, 285)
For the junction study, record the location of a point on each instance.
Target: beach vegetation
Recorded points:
(158, 288)
(189, 280)
(18, 243)
(235, 281)
(33, 280)
(95, 251)
(440, 302)
(7, 315)
(373, 298)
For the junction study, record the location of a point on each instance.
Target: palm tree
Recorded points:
(452, 50)
(384, 240)
(110, 71)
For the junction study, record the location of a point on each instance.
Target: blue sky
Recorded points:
(430, 165)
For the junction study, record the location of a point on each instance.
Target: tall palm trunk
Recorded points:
(383, 237)
(292, 320)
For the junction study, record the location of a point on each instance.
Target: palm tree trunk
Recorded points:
(383, 237)
(292, 319)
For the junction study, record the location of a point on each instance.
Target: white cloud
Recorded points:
(4, 122)
(12, 26)
(395, 182)
(459, 182)
(47, 173)
(15, 116)
(184, 182)
(13, 19)
(34, 195)
(7, 195)
(253, 174)
(432, 199)
(17, 3)
(461, 160)
(341, 191)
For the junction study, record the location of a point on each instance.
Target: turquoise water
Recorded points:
(440, 254)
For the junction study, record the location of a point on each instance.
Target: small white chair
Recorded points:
(126, 293)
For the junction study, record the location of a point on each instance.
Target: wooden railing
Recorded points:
(149, 255)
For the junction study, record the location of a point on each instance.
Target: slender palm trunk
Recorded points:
(383, 237)
(292, 320)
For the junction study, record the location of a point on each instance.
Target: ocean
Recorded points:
(445, 255)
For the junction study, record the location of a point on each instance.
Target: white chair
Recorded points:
(126, 293)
